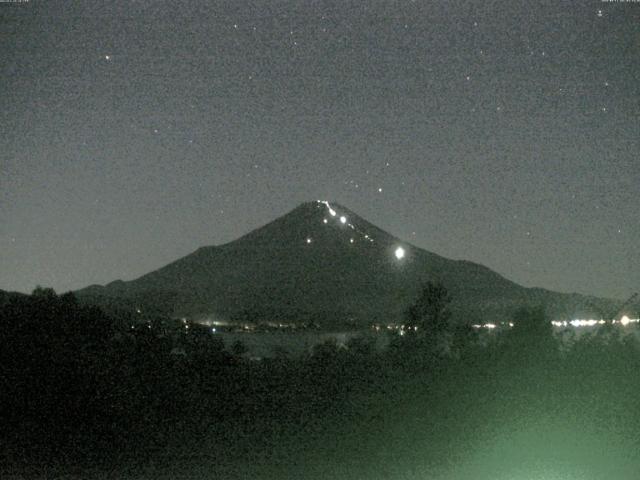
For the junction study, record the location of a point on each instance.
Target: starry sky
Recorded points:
(502, 132)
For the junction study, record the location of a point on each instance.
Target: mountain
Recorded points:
(323, 263)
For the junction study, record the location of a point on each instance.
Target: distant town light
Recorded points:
(399, 253)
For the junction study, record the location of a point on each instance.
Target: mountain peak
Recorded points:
(318, 220)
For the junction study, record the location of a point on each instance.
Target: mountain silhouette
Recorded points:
(323, 263)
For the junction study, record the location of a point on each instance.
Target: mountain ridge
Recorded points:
(322, 262)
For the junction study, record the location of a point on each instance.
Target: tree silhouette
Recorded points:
(238, 348)
(430, 312)
(531, 325)
(531, 339)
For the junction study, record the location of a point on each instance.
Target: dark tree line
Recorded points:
(77, 388)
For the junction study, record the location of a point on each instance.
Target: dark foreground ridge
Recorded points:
(84, 398)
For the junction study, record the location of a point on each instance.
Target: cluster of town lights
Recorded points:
(491, 326)
(624, 321)
(401, 329)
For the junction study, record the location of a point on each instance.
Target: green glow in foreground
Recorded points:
(541, 448)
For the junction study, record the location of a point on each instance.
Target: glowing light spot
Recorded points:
(625, 320)
(351, 240)
(324, 220)
(343, 219)
(583, 323)
(308, 240)
(399, 253)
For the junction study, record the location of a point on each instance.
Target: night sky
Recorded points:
(502, 132)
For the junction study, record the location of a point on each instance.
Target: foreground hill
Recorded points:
(323, 263)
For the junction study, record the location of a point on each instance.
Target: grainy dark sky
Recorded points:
(502, 132)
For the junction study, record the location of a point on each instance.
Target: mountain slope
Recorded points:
(321, 262)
